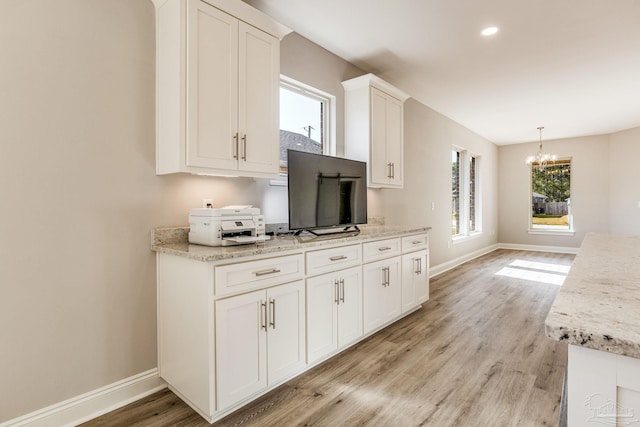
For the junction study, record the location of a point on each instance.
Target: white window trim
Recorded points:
(329, 131)
(465, 234)
(571, 231)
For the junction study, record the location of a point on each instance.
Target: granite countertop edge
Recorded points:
(174, 241)
(598, 307)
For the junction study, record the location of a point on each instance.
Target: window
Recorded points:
(465, 193)
(306, 121)
(551, 198)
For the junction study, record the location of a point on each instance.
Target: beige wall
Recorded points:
(80, 196)
(590, 188)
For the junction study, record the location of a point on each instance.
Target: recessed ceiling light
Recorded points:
(489, 31)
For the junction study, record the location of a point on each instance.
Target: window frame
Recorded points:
(464, 179)
(328, 123)
(570, 231)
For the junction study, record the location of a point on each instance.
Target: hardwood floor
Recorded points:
(474, 355)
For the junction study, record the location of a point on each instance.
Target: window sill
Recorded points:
(546, 232)
(465, 238)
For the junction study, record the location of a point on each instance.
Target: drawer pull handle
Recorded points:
(384, 248)
(337, 257)
(265, 272)
(416, 242)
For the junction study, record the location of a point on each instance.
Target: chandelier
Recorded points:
(541, 159)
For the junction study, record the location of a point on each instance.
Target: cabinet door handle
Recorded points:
(337, 257)
(244, 147)
(263, 315)
(336, 288)
(418, 266)
(265, 272)
(389, 168)
(272, 305)
(342, 290)
(393, 170)
(235, 145)
(384, 248)
(385, 276)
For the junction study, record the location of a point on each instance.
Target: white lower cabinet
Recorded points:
(232, 329)
(382, 294)
(260, 340)
(334, 312)
(415, 279)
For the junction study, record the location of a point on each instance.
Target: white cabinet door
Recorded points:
(415, 279)
(386, 139)
(381, 292)
(241, 345)
(334, 311)
(422, 279)
(349, 306)
(260, 339)
(322, 316)
(380, 168)
(212, 67)
(393, 298)
(259, 100)
(410, 265)
(394, 140)
(286, 330)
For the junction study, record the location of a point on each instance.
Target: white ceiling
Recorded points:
(572, 66)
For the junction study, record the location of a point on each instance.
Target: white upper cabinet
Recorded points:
(218, 72)
(374, 121)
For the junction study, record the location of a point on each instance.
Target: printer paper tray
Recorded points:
(245, 239)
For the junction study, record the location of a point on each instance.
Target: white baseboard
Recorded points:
(537, 248)
(90, 405)
(446, 266)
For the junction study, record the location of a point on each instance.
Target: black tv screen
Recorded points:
(325, 191)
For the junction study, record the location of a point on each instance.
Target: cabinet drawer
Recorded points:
(243, 276)
(381, 249)
(413, 243)
(333, 259)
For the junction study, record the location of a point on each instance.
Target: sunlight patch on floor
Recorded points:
(552, 274)
(541, 266)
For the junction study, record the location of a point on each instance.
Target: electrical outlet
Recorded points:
(207, 203)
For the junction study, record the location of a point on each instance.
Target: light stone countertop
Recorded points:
(599, 304)
(174, 241)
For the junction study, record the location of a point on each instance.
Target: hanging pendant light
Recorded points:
(541, 159)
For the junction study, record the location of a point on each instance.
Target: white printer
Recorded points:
(231, 225)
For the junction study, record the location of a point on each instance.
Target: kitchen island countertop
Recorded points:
(598, 306)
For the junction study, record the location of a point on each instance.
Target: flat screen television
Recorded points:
(326, 192)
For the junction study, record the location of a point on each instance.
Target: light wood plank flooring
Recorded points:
(474, 355)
